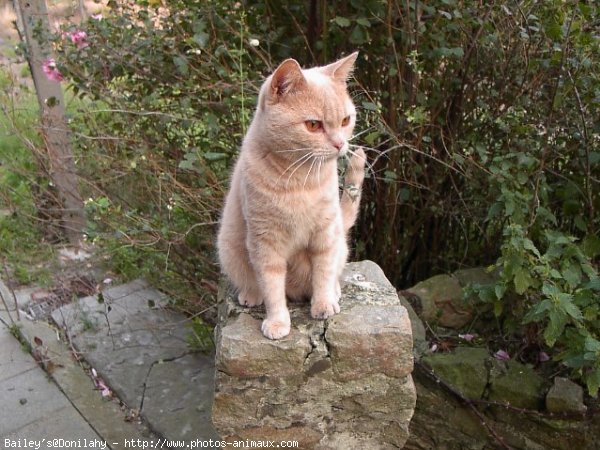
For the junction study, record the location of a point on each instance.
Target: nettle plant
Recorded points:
(545, 196)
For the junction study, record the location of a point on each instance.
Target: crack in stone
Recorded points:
(147, 377)
(325, 341)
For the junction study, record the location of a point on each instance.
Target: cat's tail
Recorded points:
(353, 181)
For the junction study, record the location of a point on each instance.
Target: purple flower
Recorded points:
(543, 357)
(52, 73)
(502, 355)
(467, 337)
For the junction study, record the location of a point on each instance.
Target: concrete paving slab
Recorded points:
(13, 359)
(139, 347)
(22, 296)
(106, 416)
(30, 396)
(178, 403)
(64, 428)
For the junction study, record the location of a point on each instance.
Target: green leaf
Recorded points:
(555, 326)
(342, 21)
(201, 38)
(499, 290)
(592, 380)
(570, 308)
(372, 137)
(390, 175)
(522, 281)
(572, 275)
(528, 245)
(181, 64)
(369, 106)
(591, 246)
(536, 313)
(358, 35)
(591, 344)
(363, 21)
(498, 308)
(214, 156)
(455, 52)
(550, 290)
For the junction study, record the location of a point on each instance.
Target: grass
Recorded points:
(22, 240)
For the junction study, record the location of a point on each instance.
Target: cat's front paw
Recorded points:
(248, 298)
(324, 309)
(275, 328)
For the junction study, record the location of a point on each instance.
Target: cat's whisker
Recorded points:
(370, 167)
(298, 163)
(361, 133)
(292, 150)
(321, 160)
(297, 167)
(308, 173)
(380, 154)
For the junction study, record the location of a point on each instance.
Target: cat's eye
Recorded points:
(313, 125)
(346, 121)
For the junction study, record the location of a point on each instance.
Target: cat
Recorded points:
(284, 226)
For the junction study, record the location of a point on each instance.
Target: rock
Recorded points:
(565, 397)
(464, 369)
(420, 344)
(441, 301)
(474, 276)
(515, 383)
(336, 384)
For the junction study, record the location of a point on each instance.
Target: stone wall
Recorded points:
(516, 407)
(341, 383)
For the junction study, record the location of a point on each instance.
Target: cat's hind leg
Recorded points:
(234, 257)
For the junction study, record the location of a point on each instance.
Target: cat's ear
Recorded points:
(287, 78)
(342, 68)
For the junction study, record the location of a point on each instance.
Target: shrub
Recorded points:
(483, 120)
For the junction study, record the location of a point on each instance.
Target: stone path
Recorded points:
(139, 351)
(33, 407)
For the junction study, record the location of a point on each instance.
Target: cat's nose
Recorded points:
(338, 143)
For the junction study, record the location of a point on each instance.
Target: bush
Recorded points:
(484, 121)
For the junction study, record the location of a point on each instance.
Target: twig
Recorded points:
(12, 291)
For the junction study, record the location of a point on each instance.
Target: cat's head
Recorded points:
(308, 111)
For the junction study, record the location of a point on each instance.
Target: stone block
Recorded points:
(465, 369)
(440, 300)
(336, 384)
(565, 397)
(516, 384)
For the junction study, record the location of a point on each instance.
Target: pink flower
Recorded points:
(543, 357)
(97, 16)
(100, 384)
(52, 73)
(78, 37)
(502, 355)
(467, 337)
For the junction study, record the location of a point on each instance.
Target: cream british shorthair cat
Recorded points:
(284, 226)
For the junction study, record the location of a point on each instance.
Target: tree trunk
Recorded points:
(33, 26)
